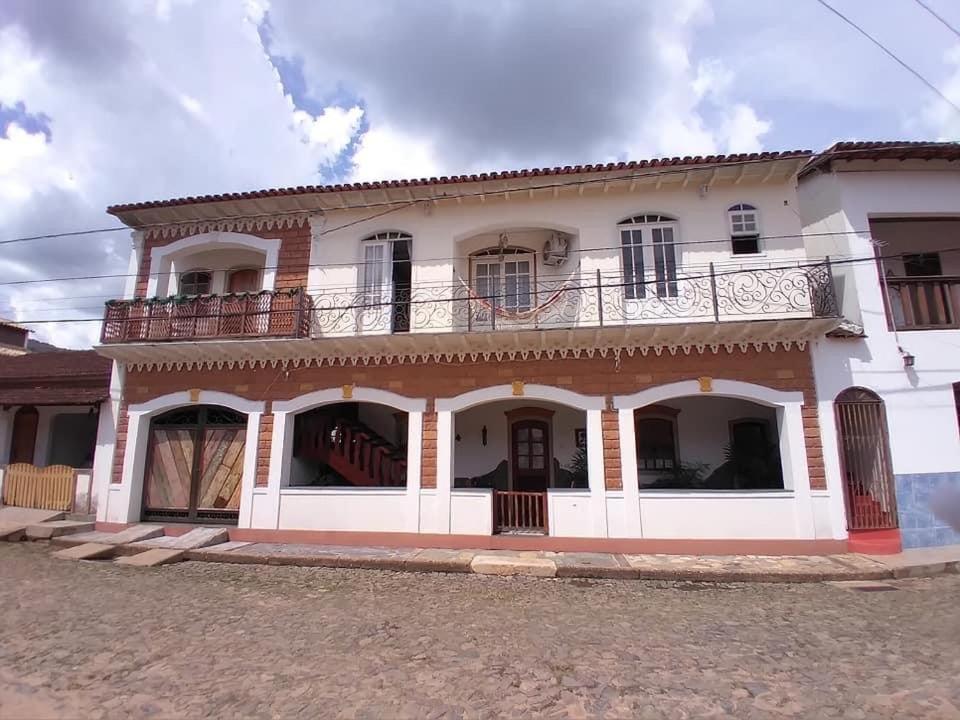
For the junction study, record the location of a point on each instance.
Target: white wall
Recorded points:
(703, 426)
(471, 511)
(471, 458)
(919, 401)
(356, 509)
(719, 515)
(569, 513)
(593, 219)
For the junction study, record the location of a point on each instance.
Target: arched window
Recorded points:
(645, 241)
(655, 427)
(865, 460)
(196, 282)
(744, 229)
(386, 278)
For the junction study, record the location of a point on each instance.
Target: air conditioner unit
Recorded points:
(555, 249)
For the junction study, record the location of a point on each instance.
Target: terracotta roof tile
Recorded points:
(461, 179)
(883, 150)
(81, 365)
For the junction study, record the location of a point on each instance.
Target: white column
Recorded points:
(595, 472)
(831, 469)
(249, 479)
(628, 471)
(103, 454)
(444, 469)
(414, 465)
(133, 264)
(122, 504)
(793, 454)
(281, 454)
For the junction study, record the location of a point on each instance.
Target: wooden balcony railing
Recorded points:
(516, 511)
(277, 313)
(923, 303)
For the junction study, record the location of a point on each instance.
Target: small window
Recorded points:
(656, 444)
(744, 229)
(196, 282)
(243, 280)
(661, 231)
(922, 264)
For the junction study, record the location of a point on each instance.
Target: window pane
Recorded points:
(523, 433)
(538, 462)
(374, 269)
(536, 449)
(665, 262)
(632, 260)
(748, 245)
(523, 462)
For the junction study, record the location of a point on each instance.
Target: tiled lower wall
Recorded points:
(919, 527)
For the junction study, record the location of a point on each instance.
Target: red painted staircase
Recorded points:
(873, 529)
(353, 451)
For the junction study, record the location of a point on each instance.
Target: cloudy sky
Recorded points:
(110, 101)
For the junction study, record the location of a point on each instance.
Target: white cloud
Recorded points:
(171, 99)
(942, 120)
(385, 153)
(742, 130)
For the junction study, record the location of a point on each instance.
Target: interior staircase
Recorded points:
(352, 450)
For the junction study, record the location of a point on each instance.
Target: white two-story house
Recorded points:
(613, 356)
(888, 382)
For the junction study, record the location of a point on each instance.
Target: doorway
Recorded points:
(24, 440)
(195, 465)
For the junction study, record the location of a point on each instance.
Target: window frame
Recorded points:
(500, 296)
(243, 268)
(742, 209)
(195, 271)
(657, 413)
(651, 255)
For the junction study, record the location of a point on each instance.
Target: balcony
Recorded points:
(595, 300)
(584, 312)
(272, 314)
(923, 303)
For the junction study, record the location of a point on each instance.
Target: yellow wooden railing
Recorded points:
(46, 488)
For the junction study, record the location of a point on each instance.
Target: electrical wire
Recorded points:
(452, 258)
(413, 301)
(396, 205)
(890, 53)
(930, 10)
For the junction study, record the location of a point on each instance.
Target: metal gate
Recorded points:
(865, 460)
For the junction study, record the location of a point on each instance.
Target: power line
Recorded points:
(362, 263)
(395, 205)
(930, 10)
(590, 286)
(890, 53)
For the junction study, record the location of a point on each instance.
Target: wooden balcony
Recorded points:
(278, 314)
(923, 303)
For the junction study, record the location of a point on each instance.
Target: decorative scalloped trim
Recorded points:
(244, 224)
(307, 361)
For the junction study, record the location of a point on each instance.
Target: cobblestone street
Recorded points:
(95, 640)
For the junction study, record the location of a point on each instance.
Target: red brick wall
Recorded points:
(612, 472)
(263, 449)
(293, 263)
(789, 370)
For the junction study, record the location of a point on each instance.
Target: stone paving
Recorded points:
(98, 640)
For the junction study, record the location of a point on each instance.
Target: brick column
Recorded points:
(611, 449)
(263, 450)
(428, 469)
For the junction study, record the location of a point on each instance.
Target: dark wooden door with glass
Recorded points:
(530, 447)
(195, 465)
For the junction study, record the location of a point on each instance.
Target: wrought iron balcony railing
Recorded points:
(708, 294)
(584, 300)
(279, 313)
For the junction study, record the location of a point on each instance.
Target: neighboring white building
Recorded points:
(900, 203)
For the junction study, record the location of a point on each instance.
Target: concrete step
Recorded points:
(514, 564)
(151, 558)
(87, 551)
(56, 528)
(128, 535)
(193, 540)
(14, 521)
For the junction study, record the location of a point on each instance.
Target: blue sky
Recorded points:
(120, 100)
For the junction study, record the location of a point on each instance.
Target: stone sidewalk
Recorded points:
(712, 568)
(739, 568)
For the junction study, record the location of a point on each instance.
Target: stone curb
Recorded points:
(568, 569)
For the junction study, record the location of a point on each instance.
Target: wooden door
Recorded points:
(530, 451)
(24, 439)
(195, 465)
